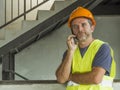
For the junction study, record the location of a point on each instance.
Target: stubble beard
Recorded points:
(83, 38)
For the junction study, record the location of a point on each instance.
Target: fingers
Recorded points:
(71, 43)
(70, 37)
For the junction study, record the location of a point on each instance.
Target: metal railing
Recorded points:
(12, 5)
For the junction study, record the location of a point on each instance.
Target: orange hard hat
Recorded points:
(81, 12)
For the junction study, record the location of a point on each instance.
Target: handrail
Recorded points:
(24, 82)
(19, 15)
(13, 72)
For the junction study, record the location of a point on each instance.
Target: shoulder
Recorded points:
(103, 58)
(105, 48)
(104, 51)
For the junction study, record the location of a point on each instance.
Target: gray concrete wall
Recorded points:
(40, 60)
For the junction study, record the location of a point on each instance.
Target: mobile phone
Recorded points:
(75, 40)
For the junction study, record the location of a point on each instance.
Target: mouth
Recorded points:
(82, 37)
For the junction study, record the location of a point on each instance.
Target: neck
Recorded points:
(86, 43)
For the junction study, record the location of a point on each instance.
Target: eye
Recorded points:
(75, 27)
(83, 24)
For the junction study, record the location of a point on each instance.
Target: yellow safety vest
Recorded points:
(84, 64)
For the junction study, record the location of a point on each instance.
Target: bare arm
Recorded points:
(93, 77)
(63, 71)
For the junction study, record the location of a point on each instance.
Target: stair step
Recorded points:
(47, 5)
(14, 25)
(45, 14)
(9, 36)
(62, 4)
(2, 34)
(28, 24)
(58, 5)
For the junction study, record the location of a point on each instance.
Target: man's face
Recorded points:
(82, 29)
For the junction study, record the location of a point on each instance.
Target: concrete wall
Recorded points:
(45, 55)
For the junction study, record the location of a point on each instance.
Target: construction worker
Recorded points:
(88, 63)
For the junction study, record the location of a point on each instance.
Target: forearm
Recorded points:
(93, 77)
(64, 69)
(85, 78)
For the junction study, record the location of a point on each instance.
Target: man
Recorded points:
(89, 63)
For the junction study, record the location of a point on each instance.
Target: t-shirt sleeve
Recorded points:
(103, 58)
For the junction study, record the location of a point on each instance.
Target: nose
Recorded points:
(80, 28)
(77, 28)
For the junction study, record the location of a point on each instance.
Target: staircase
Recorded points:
(34, 18)
(17, 36)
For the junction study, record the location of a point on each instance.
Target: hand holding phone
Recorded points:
(72, 42)
(75, 40)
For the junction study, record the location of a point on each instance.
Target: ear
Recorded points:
(92, 28)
